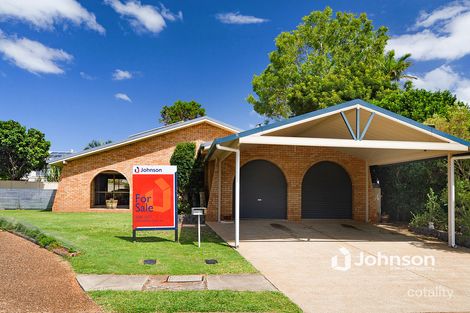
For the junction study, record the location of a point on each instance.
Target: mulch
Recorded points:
(33, 279)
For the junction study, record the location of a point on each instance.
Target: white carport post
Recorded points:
(367, 191)
(451, 196)
(219, 188)
(237, 191)
(450, 201)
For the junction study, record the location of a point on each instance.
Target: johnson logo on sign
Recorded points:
(154, 169)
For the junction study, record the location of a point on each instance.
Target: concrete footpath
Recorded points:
(239, 282)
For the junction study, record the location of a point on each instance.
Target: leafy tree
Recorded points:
(457, 122)
(325, 61)
(396, 67)
(418, 104)
(21, 150)
(181, 111)
(96, 143)
(405, 187)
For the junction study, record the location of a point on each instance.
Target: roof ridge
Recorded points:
(165, 126)
(146, 134)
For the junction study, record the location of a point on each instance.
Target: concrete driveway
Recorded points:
(402, 273)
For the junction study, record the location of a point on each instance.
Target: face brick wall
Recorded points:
(294, 161)
(74, 193)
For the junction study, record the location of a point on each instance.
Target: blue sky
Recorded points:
(81, 70)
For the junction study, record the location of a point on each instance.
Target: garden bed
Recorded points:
(37, 236)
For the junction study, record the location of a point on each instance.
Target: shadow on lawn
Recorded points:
(188, 235)
(143, 239)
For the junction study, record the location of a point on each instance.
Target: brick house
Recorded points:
(90, 177)
(315, 165)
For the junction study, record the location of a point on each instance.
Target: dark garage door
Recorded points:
(263, 191)
(326, 192)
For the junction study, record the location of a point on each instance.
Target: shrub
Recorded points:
(432, 213)
(53, 174)
(462, 221)
(184, 158)
(33, 233)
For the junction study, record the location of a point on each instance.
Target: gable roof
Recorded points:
(332, 110)
(147, 134)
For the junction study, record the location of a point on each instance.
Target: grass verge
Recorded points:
(105, 244)
(193, 301)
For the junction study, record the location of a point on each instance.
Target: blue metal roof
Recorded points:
(337, 107)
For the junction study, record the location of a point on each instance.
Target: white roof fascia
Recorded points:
(304, 121)
(351, 143)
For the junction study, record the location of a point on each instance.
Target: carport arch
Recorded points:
(327, 191)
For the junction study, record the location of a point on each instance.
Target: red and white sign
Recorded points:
(154, 200)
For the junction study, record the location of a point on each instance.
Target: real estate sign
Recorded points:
(154, 205)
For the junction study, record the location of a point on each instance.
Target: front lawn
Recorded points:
(193, 301)
(105, 245)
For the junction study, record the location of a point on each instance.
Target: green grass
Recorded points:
(193, 301)
(104, 242)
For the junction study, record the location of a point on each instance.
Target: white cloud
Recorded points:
(170, 16)
(87, 76)
(32, 56)
(144, 17)
(442, 34)
(44, 14)
(444, 77)
(123, 97)
(443, 13)
(237, 18)
(121, 75)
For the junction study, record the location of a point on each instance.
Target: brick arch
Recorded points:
(309, 166)
(96, 173)
(283, 171)
(101, 171)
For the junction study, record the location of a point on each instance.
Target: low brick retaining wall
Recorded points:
(460, 239)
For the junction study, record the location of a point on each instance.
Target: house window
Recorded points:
(110, 185)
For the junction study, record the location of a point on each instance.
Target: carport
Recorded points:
(333, 149)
